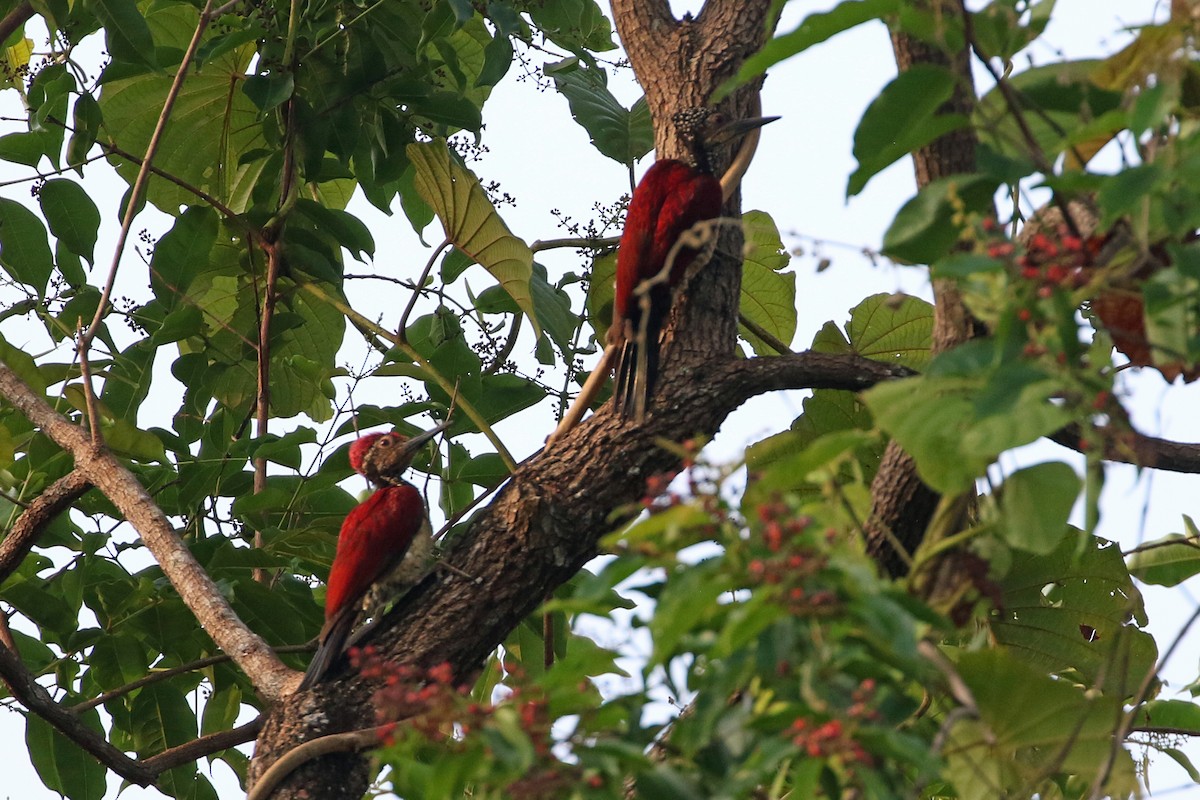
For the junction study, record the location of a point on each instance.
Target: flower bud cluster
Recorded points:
(834, 738)
(791, 560)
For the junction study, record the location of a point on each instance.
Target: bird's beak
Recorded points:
(737, 128)
(415, 443)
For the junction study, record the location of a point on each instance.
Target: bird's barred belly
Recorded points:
(406, 574)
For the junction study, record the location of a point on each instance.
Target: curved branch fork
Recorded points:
(270, 676)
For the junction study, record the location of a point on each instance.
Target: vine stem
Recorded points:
(412, 301)
(136, 193)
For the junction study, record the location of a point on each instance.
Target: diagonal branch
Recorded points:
(24, 533)
(25, 688)
(34, 697)
(203, 746)
(268, 674)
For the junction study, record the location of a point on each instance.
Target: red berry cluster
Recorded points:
(426, 699)
(657, 497)
(834, 738)
(792, 560)
(1051, 260)
(828, 740)
(429, 704)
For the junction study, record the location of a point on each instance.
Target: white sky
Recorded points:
(540, 156)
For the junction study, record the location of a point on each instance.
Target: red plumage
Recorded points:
(374, 538)
(670, 199)
(383, 546)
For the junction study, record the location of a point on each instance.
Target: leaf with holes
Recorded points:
(768, 294)
(1072, 612)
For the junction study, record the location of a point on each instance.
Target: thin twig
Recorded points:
(402, 327)
(263, 400)
(143, 176)
(764, 334)
(171, 672)
(89, 396)
(506, 350)
(578, 243)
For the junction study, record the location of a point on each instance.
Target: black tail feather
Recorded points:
(636, 373)
(333, 642)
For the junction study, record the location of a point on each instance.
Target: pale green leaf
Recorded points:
(471, 221)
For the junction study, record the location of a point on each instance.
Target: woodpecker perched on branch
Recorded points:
(671, 197)
(654, 253)
(383, 548)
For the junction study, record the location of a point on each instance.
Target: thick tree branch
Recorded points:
(25, 688)
(34, 697)
(269, 675)
(203, 746)
(15, 19)
(56, 499)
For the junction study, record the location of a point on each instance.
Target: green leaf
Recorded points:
(347, 229)
(24, 246)
(61, 764)
(1036, 502)
(212, 125)
(1171, 715)
(162, 718)
(497, 58)
(182, 254)
(22, 148)
(929, 224)
(894, 328)
(553, 309)
(1168, 561)
(941, 422)
(624, 135)
(574, 24)
(1072, 612)
(768, 296)
(86, 118)
(125, 28)
(814, 29)
(116, 660)
(471, 221)
(902, 119)
(1030, 722)
(72, 215)
(268, 91)
(601, 293)
(1057, 101)
(23, 365)
(1000, 33)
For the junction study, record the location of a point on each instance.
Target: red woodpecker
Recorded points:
(671, 198)
(384, 546)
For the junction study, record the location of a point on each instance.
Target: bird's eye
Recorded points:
(386, 441)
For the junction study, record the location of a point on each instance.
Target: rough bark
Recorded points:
(902, 505)
(544, 524)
